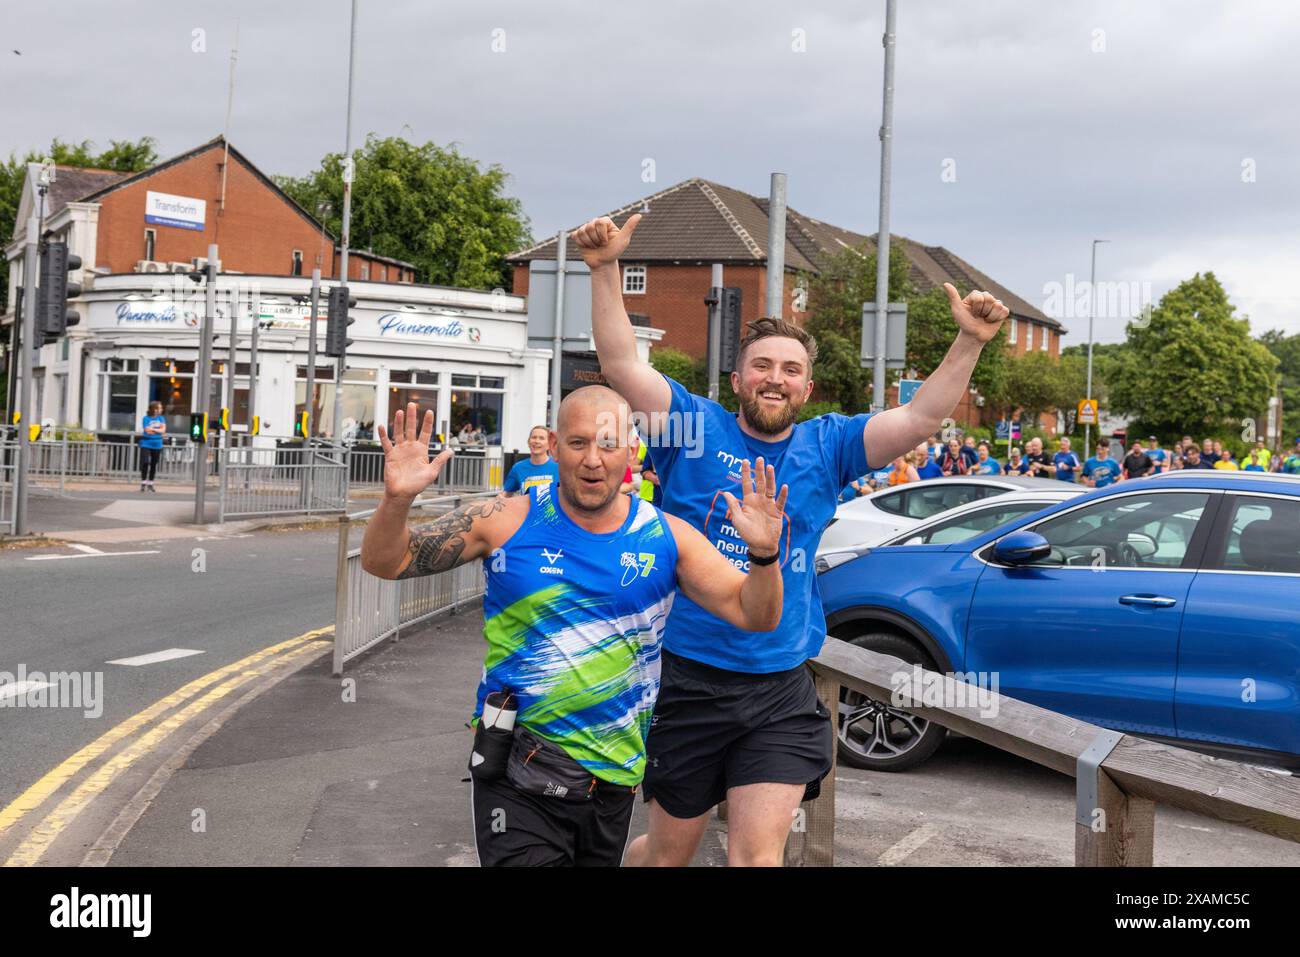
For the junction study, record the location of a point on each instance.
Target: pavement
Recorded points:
(370, 769)
(114, 513)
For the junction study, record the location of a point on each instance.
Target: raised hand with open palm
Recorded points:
(408, 470)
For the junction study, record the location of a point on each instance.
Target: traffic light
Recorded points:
(225, 419)
(730, 340)
(337, 321)
(300, 425)
(257, 424)
(198, 426)
(52, 313)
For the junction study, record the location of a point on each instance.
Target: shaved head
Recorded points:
(599, 400)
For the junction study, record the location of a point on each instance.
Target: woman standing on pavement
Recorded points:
(151, 443)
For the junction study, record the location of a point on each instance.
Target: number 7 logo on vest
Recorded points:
(642, 562)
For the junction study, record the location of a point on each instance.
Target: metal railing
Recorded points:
(369, 609)
(79, 459)
(1119, 778)
(8, 476)
(259, 482)
(469, 470)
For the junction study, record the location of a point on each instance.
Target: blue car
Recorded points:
(1166, 607)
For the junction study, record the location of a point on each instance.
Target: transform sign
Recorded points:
(183, 212)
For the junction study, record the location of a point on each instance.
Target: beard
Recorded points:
(769, 421)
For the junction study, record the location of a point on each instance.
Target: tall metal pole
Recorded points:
(203, 381)
(776, 246)
(341, 364)
(309, 395)
(715, 332)
(882, 236)
(557, 339)
(1092, 311)
(252, 372)
(30, 261)
(233, 308)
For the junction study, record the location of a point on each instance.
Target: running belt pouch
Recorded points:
(491, 752)
(537, 766)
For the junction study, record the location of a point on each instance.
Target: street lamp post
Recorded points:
(1092, 311)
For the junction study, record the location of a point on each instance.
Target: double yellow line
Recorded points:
(205, 692)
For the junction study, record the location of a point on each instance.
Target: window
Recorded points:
(1263, 536)
(478, 405)
(1015, 330)
(118, 383)
(928, 500)
(968, 524)
(633, 280)
(1043, 334)
(150, 240)
(1125, 531)
(357, 401)
(365, 269)
(297, 263)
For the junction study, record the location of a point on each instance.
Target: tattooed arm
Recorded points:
(392, 550)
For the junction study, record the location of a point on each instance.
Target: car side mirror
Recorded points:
(1021, 548)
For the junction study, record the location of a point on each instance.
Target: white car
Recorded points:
(887, 511)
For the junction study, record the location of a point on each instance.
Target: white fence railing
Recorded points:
(369, 609)
(8, 476)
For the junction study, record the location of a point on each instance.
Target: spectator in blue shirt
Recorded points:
(538, 469)
(152, 429)
(926, 467)
(1101, 470)
(984, 465)
(1156, 454)
(1066, 462)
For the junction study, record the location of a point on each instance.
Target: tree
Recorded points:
(123, 156)
(423, 204)
(836, 295)
(1191, 366)
(1287, 350)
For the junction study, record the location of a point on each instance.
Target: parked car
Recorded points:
(963, 522)
(1166, 607)
(896, 509)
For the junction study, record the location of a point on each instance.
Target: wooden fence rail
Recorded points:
(1119, 778)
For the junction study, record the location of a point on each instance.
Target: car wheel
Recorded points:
(875, 736)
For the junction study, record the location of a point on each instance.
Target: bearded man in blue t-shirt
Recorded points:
(738, 715)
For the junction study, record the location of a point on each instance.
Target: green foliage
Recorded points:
(1194, 367)
(836, 296)
(123, 156)
(422, 204)
(1287, 350)
(683, 367)
(811, 410)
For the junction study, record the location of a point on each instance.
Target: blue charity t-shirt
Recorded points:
(151, 440)
(987, 467)
(929, 470)
(1066, 463)
(524, 475)
(1157, 457)
(816, 461)
(1102, 471)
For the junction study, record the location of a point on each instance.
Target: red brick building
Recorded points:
(688, 227)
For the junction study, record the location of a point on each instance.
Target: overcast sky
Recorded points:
(1023, 128)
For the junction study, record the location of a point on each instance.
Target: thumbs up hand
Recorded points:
(979, 314)
(602, 242)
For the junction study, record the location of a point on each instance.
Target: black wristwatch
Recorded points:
(755, 560)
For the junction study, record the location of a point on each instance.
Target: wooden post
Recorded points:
(812, 839)
(1111, 828)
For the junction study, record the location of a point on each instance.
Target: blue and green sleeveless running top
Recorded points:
(574, 624)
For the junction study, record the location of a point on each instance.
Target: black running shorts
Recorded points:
(516, 829)
(714, 729)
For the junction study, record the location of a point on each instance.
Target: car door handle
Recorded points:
(1151, 601)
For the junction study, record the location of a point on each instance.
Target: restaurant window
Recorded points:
(358, 403)
(477, 403)
(119, 380)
